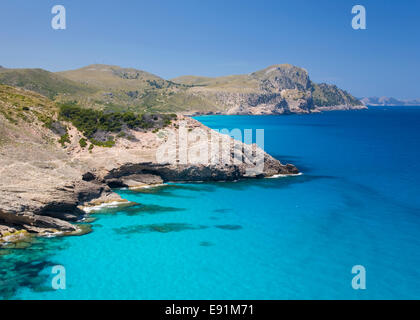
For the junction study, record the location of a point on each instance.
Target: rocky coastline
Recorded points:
(273, 112)
(45, 188)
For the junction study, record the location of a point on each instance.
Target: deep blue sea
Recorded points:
(357, 203)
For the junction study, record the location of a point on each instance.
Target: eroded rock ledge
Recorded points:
(61, 206)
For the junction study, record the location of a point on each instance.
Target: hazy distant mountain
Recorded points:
(389, 101)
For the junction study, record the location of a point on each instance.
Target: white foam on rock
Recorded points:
(285, 175)
(113, 204)
(147, 186)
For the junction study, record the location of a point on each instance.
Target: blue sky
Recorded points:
(213, 38)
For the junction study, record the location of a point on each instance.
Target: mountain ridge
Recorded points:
(277, 89)
(39, 80)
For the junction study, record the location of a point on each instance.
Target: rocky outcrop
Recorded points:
(49, 210)
(128, 179)
(44, 185)
(34, 222)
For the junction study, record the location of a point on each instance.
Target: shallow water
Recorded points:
(288, 238)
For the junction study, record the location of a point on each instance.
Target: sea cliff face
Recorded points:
(48, 176)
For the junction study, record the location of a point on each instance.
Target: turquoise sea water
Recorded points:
(357, 203)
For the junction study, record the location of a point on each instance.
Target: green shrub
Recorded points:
(83, 142)
(64, 139)
(90, 121)
(107, 144)
(46, 120)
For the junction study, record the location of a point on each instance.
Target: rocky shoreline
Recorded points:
(260, 112)
(47, 197)
(56, 216)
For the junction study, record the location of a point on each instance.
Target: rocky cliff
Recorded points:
(278, 89)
